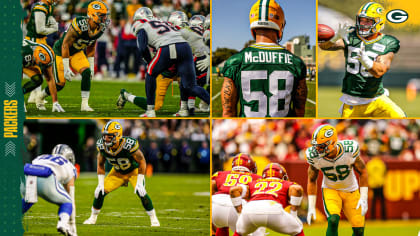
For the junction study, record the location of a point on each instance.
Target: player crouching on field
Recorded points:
(52, 178)
(267, 199)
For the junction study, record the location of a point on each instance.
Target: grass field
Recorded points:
(217, 103)
(329, 103)
(103, 98)
(182, 205)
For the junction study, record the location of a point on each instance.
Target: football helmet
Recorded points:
(267, 14)
(324, 139)
(197, 20)
(372, 11)
(178, 18)
(143, 13)
(244, 163)
(275, 170)
(98, 11)
(114, 129)
(52, 2)
(43, 54)
(65, 151)
(207, 22)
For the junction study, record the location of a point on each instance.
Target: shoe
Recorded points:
(182, 113)
(86, 107)
(121, 99)
(63, 228)
(150, 113)
(191, 111)
(91, 220)
(57, 107)
(203, 107)
(154, 221)
(32, 96)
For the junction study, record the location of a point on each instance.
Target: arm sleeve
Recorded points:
(40, 26)
(142, 42)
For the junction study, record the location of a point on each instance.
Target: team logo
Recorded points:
(42, 56)
(379, 10)
(329, 133)
(397, 16)
(117, 126)
(96, 6)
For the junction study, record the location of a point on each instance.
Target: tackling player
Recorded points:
(69, 49)
(52, 178)
(265, 78)
(267, 199)
(129, 165)
(368, 54)
(224, 216)
(340, 191)
(37, 61)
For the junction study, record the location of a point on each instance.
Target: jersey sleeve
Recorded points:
(301, 68)
(214, 176)
(310, 156)
(231, 67)
(40, 7)
(99, 145)
(131, 144)
(393, 45)
(79, 25)
(356, 150)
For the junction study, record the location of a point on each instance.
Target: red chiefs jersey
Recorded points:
(270, 189)
(227, 179)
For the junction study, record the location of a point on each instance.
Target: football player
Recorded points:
(224, 216)
(129, 165)
(69, 49)
(41, 23)
(265, 78)
(340, 190)
(267, 199)
(172, 49)
(52, 178)
(37, 61)
(368, 54)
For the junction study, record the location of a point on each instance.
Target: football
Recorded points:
(325, 33)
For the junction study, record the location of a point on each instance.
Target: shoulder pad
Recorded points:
(100, 145)
(393, 44)
(40, 6)
(310, 155)
(351, 146)
(231, 65)
(130, 144)
(80, 24)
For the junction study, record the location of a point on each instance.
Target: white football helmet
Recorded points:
(178, 18)
(197, 20)
(207, 22)
(65, 151)
(143, 13)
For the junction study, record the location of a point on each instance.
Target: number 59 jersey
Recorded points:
(63, 170)
(338, 172)
(227, 179)
(121, 159)
(265, 76)
(159, 33)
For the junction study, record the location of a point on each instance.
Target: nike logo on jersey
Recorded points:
(268, 57)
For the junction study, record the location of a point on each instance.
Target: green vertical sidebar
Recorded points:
(12, 117)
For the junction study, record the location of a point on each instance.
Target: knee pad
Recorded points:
(358, 231)
(162, 85)
(37, 79)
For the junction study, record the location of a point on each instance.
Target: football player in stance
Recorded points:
(267, 199)
(368, 54)
(340, 190)
(265, 78)
(41, 23)
(52, 176)
(38, 60)
(224, 215)
(69, 49)
(129, 165)
(172, 50)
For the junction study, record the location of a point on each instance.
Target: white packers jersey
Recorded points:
(159, 33)
(338, 172)
(62, 168)
(194, 37)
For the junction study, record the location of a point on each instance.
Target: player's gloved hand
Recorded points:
(140, 186)
(203, 64)
(91, 61)
(341, 33)
(68, 74)
(101, 186)
(57, 107)
(363, 200)
(363, 57)
(311, 208)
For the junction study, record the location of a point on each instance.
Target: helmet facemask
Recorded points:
(113, 139)
(366, 30)
(323, 149)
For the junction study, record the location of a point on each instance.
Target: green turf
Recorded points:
(182, 206)
(329, 103)
(103, 98)
(217, 103)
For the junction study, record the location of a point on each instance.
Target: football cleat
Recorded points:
(114, 129)
(244, 163)
(65, 151)
(149, 113)
(154, 222)
(275, 170)
(203, 107)
(85, 107)
(39, 102)
(91, 221)
(182, 113)
(63, 228)
(324, 139)
(178, 18)
(268, 15)
(374, 12)
(122, 99)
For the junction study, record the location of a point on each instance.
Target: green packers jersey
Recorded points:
(84, 39)
(121, 159)
(265, 76)
(358, 81)
(27, 51)
(30, 27)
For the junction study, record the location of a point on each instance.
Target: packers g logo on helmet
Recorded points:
(113, 129)
(43, 55)
(267, 14)
(329, 133)
(324, 139)
(372, 11)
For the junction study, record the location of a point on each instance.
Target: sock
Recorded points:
(191, 102)
(32, 84)
(85, 94)
(147, 202)
(98, 202)
(222, 231)
(26, 206)
(184, 105)
(65, 210)
(64, 217)
(151, 213)
(141, 102)
(150, 107)
(332, 229)
(85, 86)
(358, 231)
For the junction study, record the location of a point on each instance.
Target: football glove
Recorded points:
(311, 208)
(363, 57)
(341, 33)
(140, 186)
(203, 64)
(68, 74)
(101, 186)
(57, 107)
(363, 200)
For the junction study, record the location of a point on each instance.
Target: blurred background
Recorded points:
(402, 80)
(390, 148)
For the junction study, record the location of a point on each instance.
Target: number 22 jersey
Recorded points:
(265, 76)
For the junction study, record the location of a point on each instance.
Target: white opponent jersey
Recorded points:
(194, 37)
(338, 172)
(159, 33)
(62, 168)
